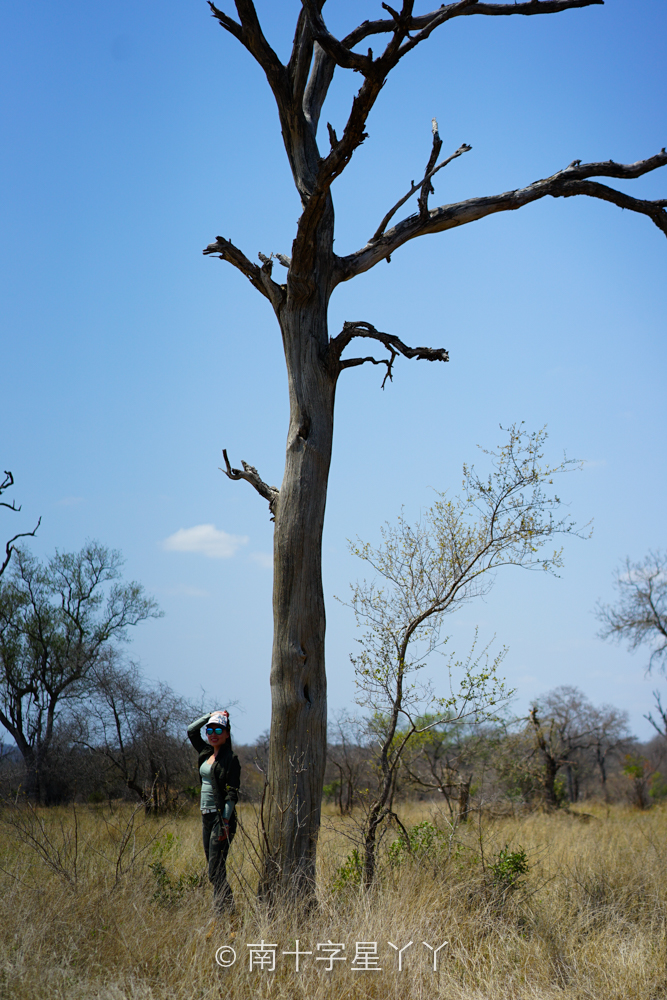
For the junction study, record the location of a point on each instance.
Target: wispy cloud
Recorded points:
(205, 539)
(184, 591)
(71, 501)
(263, 559)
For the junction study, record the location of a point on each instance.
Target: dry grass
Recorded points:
(588, 922)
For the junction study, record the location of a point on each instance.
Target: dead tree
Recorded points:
(315, 358)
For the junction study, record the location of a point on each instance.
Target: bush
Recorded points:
(350, 873)
(424, 840)
(168, 888)
(509, 869)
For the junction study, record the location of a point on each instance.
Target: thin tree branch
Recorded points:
(655, 210)
(251, 475)
(383, 26)
(6, 483)
(532, 7)
(250, 34)
(259, 277)
(464, 148)
(9, 548)
(393, 344)
(427, 187)
(389, 362)
(226, 22)
(573, 180)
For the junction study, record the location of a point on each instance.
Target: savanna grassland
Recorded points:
(103, 903)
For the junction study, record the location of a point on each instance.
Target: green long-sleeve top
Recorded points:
(225, 772)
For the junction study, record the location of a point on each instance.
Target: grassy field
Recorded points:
(100, 903)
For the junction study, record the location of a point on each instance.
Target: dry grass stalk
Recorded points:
(587, 921)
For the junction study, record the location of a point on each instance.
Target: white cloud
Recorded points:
(206, 539)
(263, 559)
(184, 591)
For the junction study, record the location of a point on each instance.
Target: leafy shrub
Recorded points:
(560, 790)
(658, 789)
(350, 872)
(330, 792)
(509, 868)
(169, 889)
(424, 839)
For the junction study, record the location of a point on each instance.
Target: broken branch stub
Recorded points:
(252, 476)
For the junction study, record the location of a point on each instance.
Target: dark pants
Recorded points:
(216, 852)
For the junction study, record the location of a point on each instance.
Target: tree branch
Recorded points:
(336, 50)
(393, 344)
(573, 180)
(9, 548)
(250, 34)
(382, 26)
(298, 66)
(430, 172)
(375, 72)
(286, 84)
(259, 277)
(6, 483)
(427, 187)
(251, 475)
(226, 22)
(318, 85)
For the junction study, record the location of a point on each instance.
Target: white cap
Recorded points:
(219, 719)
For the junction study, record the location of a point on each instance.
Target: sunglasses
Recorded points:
(218, 730)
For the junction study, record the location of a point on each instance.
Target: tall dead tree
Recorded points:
(315, 358)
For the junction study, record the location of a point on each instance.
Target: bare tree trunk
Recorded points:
(464, 800)
(549, 779)
(298, 683)
(297, 754)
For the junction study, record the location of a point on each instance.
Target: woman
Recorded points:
(220, 775)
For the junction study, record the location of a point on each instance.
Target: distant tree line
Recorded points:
(565, 751)
(127, 740)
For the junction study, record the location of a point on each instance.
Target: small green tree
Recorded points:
(56, 622)
(429, 570)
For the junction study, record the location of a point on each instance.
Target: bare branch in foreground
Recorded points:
(393, 344)
(252, 476)
(573, 180)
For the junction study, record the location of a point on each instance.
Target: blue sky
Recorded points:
(134, 133)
